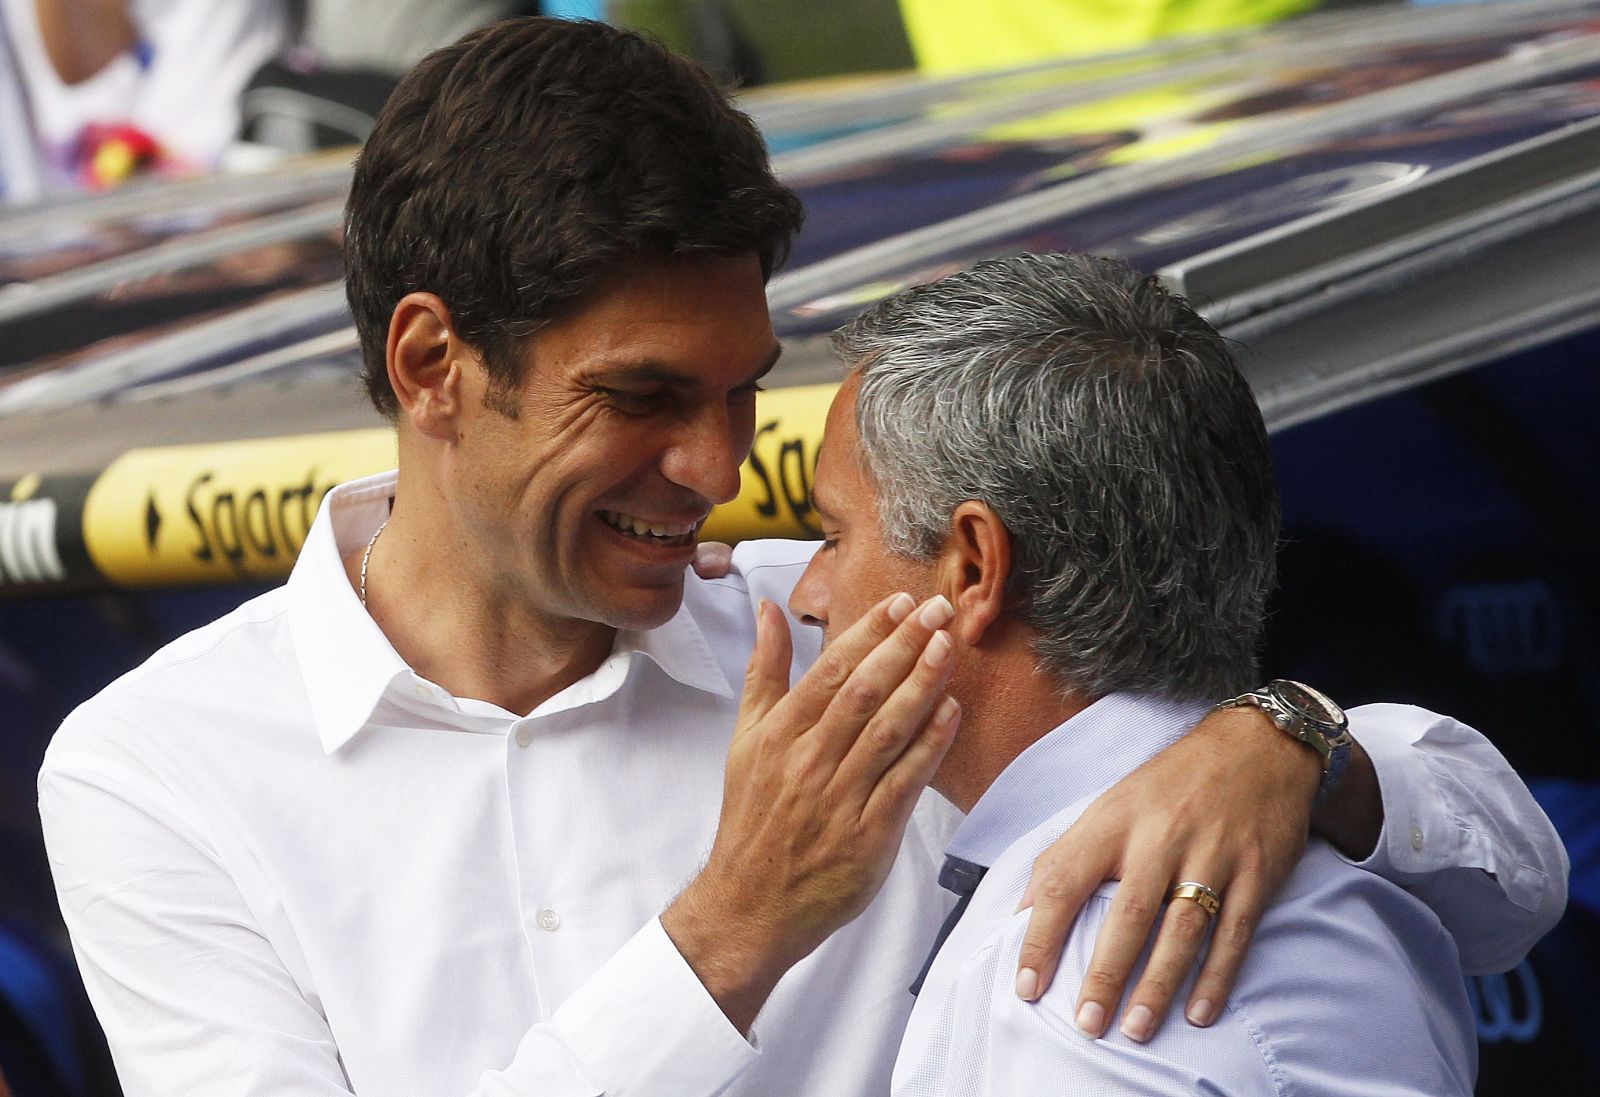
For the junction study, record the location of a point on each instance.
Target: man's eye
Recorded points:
(632, 403)
(829, 544)
(747, 392)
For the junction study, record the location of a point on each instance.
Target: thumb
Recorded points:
(766, 679)
(713, 559)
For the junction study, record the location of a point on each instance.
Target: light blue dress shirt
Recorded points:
(1351, 987)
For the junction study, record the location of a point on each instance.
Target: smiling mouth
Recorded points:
(668, 534)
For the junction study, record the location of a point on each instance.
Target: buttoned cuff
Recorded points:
(1418, 837)
(1428, 825)
(645, 1024)
(1422, 833)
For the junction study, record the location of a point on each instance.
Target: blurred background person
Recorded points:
(19, 164)
(112, 87)
(348, 56)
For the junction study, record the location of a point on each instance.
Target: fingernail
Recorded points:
(1139, 1023)
(1200, 1012)
(938, 649)
(1028, 984)
(947, 711)
(900, 607)
(937, 612)
(1092, 1019)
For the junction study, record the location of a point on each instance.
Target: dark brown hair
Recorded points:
(512, 172)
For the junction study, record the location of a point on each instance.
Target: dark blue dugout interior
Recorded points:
(1439, 548)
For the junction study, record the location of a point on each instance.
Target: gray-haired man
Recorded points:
(1069, 455)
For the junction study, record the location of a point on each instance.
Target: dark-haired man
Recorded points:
(1068, 454)
(471, 804)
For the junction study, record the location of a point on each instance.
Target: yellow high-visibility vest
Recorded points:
(950, 36)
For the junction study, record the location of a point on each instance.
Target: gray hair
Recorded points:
(1106, 424)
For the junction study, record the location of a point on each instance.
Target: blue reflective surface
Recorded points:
(875, 201)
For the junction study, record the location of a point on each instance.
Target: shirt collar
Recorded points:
(678, 647)
(345, 660)
(681, 650)
(348, 664)
(1091, 751)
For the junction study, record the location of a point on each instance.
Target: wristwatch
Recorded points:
(1311, 717)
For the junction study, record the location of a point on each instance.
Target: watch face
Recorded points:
(1308, 703)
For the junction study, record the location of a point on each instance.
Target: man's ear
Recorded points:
(425, 364)
(973, 569)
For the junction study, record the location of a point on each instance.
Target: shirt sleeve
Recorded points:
(1463, 834)
(194, 999)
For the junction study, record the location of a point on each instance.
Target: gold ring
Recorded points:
(1209, 901)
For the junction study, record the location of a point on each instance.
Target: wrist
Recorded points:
(1246, 732)
(1352, 817)
(1310, 718)
(726, 951)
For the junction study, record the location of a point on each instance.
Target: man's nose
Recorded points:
(809, 601)
(705, 457)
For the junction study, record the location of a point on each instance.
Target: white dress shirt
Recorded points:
(292, 866)
(1352, 986)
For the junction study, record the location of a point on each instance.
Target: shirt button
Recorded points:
(549, 920)
(423, 691)
(524, 736)
(1416, 838)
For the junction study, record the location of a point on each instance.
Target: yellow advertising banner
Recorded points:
(239, 511)
(775, 492)
(220, 512)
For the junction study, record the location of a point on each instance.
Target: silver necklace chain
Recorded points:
(366, 557)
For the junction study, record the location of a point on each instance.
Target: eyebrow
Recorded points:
(819, 503)
(653, 371)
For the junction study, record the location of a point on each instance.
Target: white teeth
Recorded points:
(639, 528)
